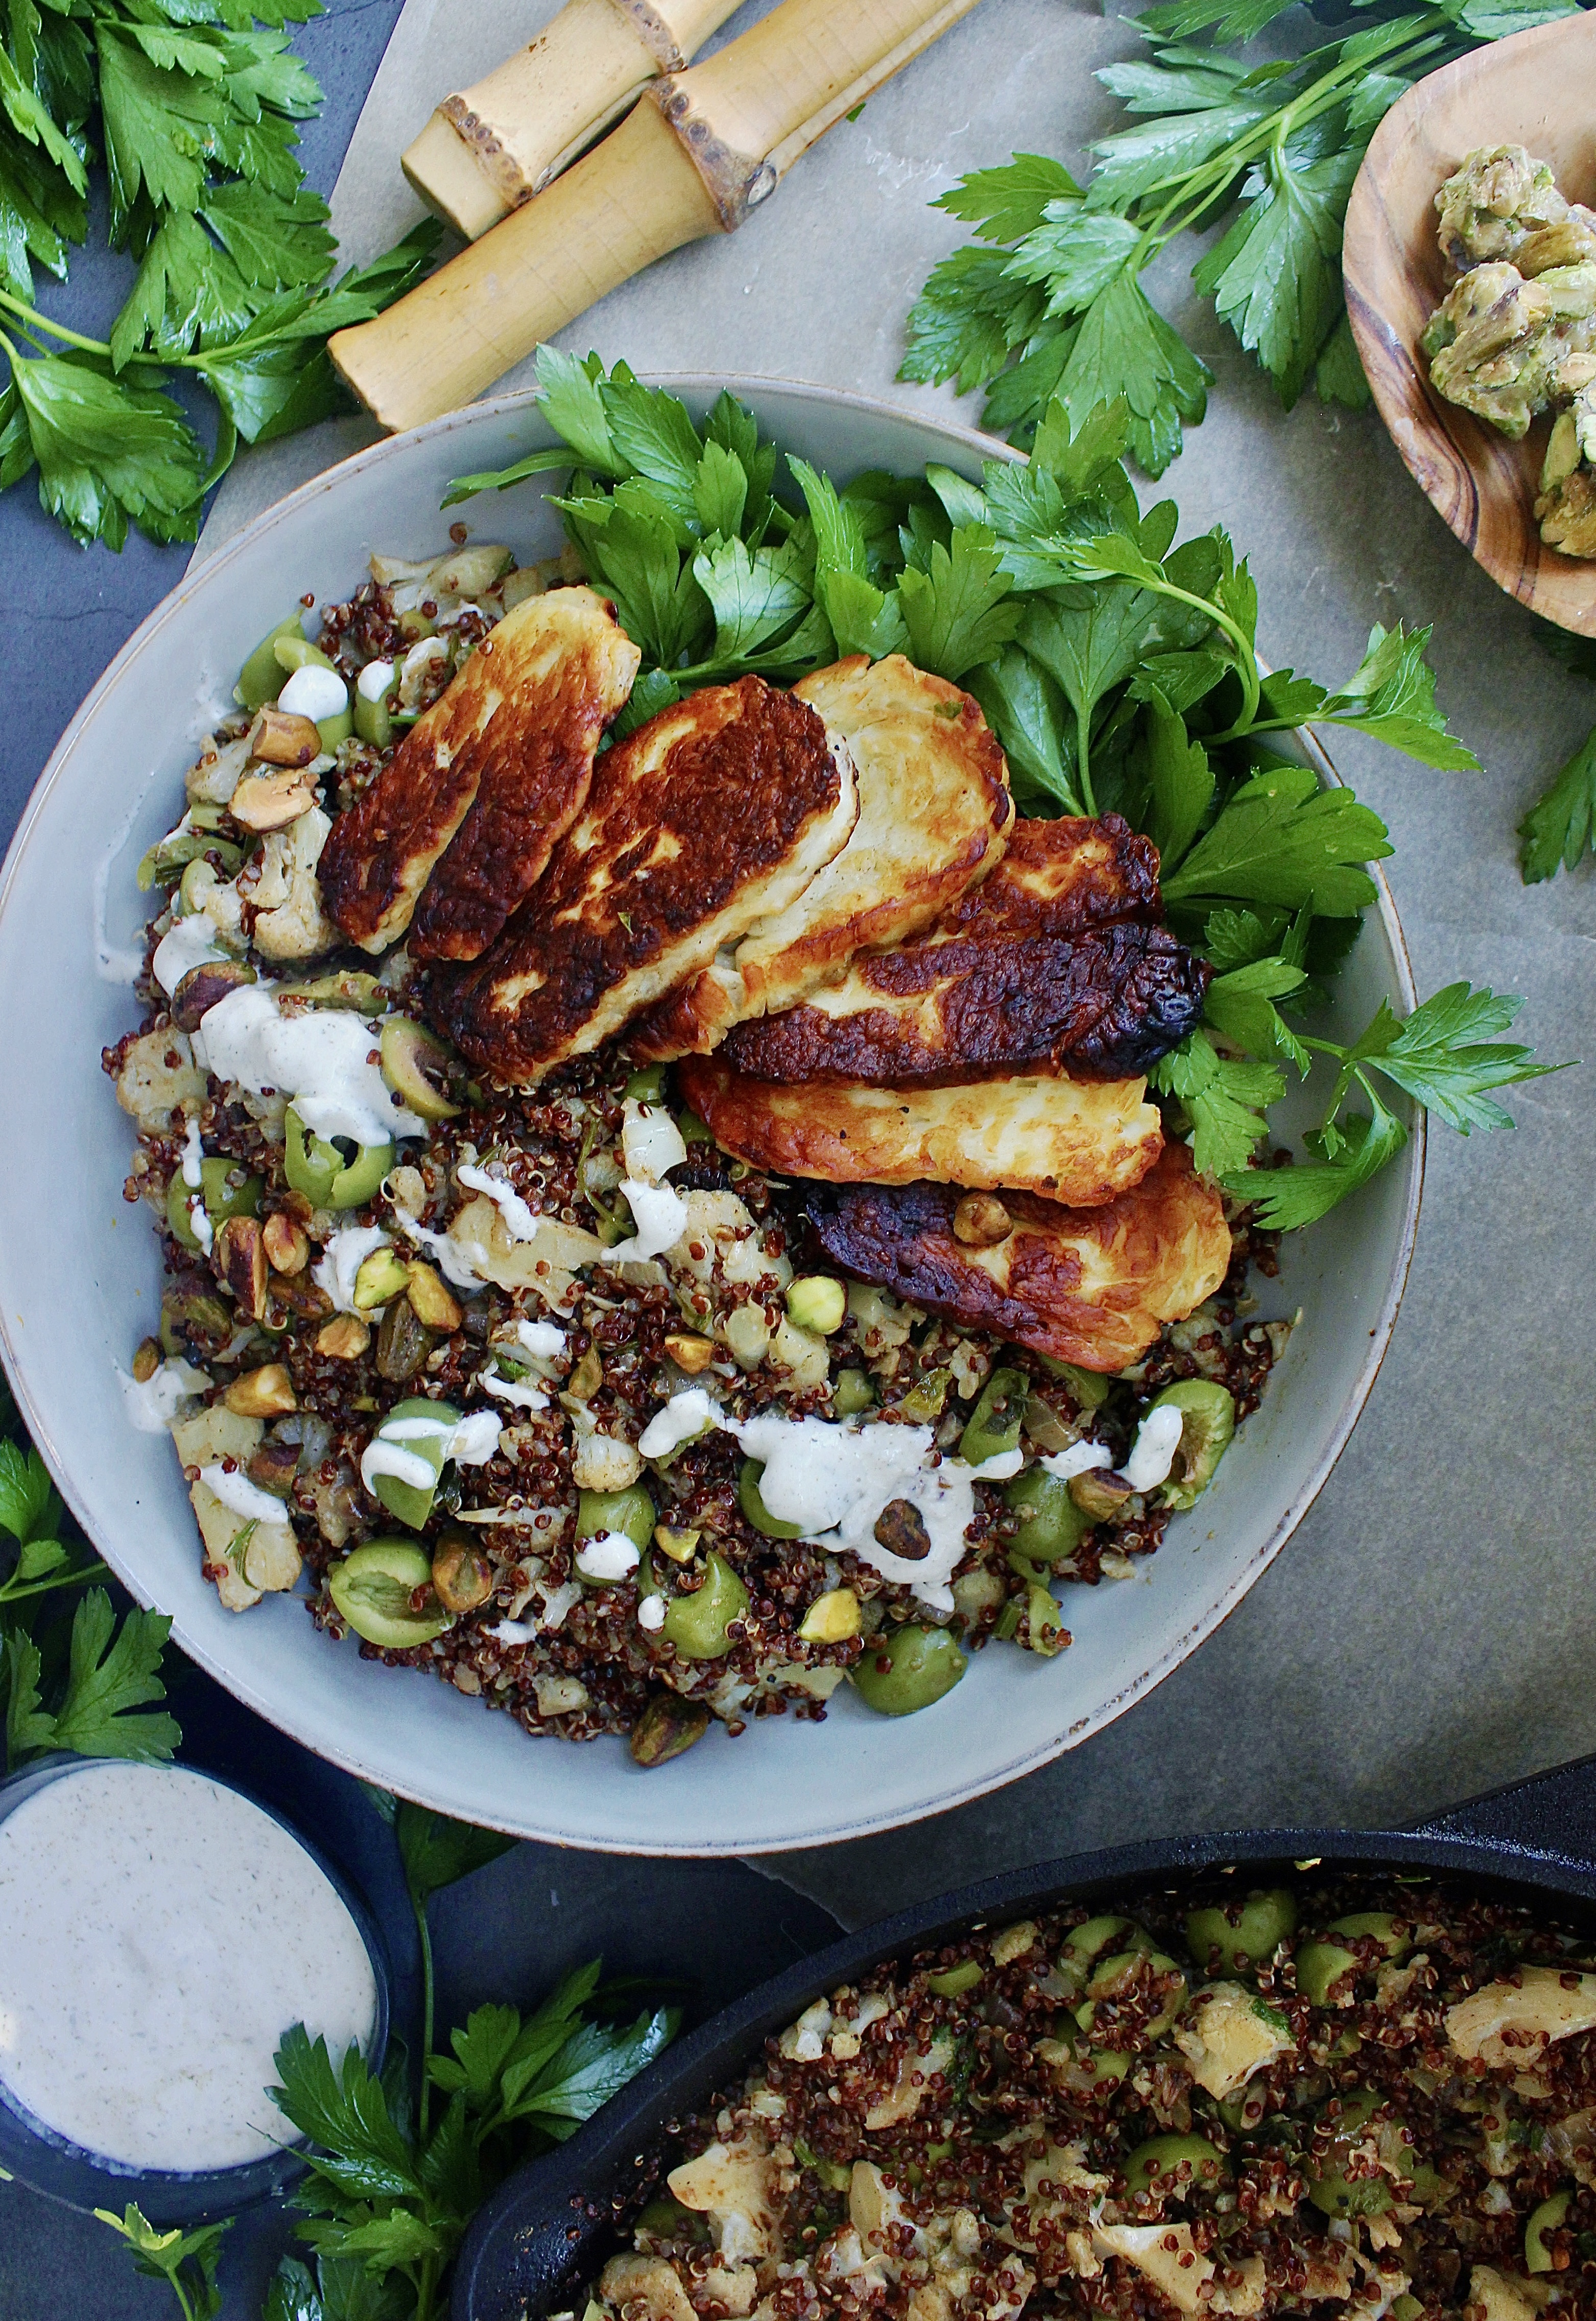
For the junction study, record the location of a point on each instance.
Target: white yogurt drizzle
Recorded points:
(450, 1259)
(1080, 1459)
(152, 1406)
(835, 1480)
(609, 1556)
(544, 1339)
(520, 1221)
(189, 942)
(341, 1258)
(512, 1390)
(470, 1442)
(322, 1062)
(651, 1143)
(375, 680)
(313, 693)
(1158, 1438)
(242, 1498)
(686, 1415)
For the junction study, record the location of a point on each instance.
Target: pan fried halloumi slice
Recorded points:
(1081, 1142)
(709, 818)
(934, 814)
(1088, 1286)
(458, 825)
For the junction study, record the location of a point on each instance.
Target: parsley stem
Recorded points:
(11, 1593)
(1083, 760)
(31, 315)
(428, 1996)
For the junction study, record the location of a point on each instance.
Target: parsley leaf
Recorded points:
(955, 612)
(1282, 840)
(1275, 276)
(437, 1852)
(1003, 205)
(1287, 1198)
(1124, 347)
(755, 594)
(112, 1672)
(968, 320)
(186, 2261)
(1392, 694)
(1558, 828)
(108, 452)
(1225, 1098)
(1240, 1005)
(1443, 1056)
(28, 1504)
(1180, 783)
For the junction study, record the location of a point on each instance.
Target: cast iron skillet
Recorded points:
(546, 2230)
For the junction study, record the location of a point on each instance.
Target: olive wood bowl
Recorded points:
(1533, 90)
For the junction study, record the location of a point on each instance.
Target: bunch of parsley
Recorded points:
(77, 1683)
(1048, 300)
(191, 104)
(394, 2181)
(1118, 671)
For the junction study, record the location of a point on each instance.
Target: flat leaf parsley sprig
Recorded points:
(192, 105)
(1120, 671)
(1048, 299)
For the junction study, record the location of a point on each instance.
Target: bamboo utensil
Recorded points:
(702, 149)
(493, 146)
(1532, 90)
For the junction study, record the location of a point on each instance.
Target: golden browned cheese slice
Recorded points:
(1076, 1141)
(1092, 1287)
(1059, 878)
(714, 814)
(484, 785)
(1052, 963)
(934, 812)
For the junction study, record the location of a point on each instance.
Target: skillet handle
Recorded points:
(520, 2255)
(1552, 1816)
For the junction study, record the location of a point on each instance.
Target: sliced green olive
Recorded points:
(853, 1393)
(1170, 2166)
(325, 1174)
(1046, 1632)
(412, 1503)
(817, 1302)
(412, 1061)
(630, 1512)
(1085, 1941)
(1334, 2192)
(1051, 1525)
(292, 650)
(260, 679)
(647, 1086)
(376, 1590)
(697, 1624)
(1546, 2219)
(927, 1399)
(374, 718)
(1087, 1389)
(754, 1506)
(1378, 1924)
(1244, 1933)
(993, 1427)
(1112, 1978)
(1207, 1422)
(908, 1668)
(347, 987)
(227, 1189)
(1322, 1967)
(956, 1979)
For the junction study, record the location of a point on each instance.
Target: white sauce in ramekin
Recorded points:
(159, 1933)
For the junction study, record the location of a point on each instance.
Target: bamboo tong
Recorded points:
(701, 150)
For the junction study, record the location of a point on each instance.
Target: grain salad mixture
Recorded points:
(524, 1378)
(1372, 2096)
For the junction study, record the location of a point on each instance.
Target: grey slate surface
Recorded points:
(1425, 1634)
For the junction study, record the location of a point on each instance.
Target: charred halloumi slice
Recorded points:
(1106, 1004)
(1059, 878)
(458, 827)
(707, 819)
(1091, 1286)
(1083, 1142)
(1051, 964)
(933, 815)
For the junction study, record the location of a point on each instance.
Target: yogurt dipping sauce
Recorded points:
(159, 1933)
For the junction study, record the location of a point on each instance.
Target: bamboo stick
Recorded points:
(704, 148)
(493, 146)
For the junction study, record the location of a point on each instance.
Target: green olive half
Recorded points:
(908, 1668)
(375, 1590)
(412, 1062)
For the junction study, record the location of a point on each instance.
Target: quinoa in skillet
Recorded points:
(1373, 2096)
(425, 1375)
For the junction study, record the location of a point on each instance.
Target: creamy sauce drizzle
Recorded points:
(242, 1498)
(320, 1061)
(520, 1221)
(183, 1931)
(153, 1405)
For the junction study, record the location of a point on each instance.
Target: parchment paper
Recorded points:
(1429, 1632)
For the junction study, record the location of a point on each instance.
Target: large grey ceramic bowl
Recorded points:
(79, 1275)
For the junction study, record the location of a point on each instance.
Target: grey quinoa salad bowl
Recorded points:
(468, 1371)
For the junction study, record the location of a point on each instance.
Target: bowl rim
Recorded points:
(341, 1752)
